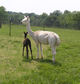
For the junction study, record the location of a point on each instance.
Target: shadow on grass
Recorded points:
(27, 60)
(48, 61)
(42, 61)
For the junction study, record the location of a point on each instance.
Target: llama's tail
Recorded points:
(57, 40)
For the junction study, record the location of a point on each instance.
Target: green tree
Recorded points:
(43, 18)
(53, 19)
(2, 15)
(76, 19)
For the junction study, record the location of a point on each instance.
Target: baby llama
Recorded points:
(27, 43)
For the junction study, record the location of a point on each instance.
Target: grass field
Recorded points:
(15, 69)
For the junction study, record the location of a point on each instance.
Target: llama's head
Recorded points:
(25, 34)
(26, 20)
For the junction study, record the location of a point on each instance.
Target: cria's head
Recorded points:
(25, 34)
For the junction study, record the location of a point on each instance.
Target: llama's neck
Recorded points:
(31, 33)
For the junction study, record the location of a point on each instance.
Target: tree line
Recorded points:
(67, 19)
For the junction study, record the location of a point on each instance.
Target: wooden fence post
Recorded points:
(10, 27)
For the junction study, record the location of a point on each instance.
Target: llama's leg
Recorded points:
(53, 48)
(31, 50)
(54, 53)
(37, 45)
(41, 51)
(27, 51)
(23, 51)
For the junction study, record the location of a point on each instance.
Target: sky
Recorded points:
(40, 6)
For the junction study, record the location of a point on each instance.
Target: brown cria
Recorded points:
(26, 43)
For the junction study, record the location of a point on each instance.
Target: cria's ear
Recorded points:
(24, 32)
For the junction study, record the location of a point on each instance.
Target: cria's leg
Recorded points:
(27, 51)
(23, 51)
(41, 51)
(31, 50)
(37, 45)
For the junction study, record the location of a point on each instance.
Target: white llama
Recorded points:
(42, 37)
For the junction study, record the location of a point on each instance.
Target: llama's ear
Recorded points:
(24, 16)
(28, 18)
(24, 32)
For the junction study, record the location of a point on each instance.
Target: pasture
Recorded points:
(16, 69)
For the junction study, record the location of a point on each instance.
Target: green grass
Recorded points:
(15, 69)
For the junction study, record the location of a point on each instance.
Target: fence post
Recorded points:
(10, 27)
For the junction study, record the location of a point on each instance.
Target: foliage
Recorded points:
(56, 19)
(3, 15)
(76, 18)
